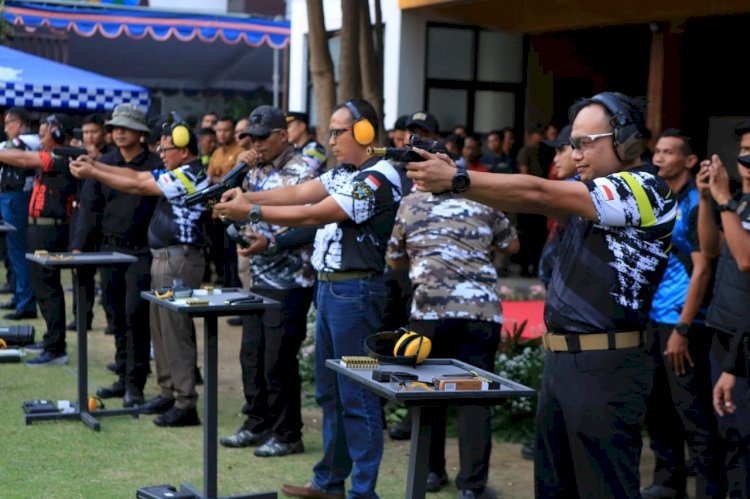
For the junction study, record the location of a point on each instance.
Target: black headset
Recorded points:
(362, 128)
(55, 128)
(627, 138)
(178, 130)
(408, 348)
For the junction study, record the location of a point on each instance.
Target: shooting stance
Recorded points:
(597, 374)
(175, 236)
(354, 205)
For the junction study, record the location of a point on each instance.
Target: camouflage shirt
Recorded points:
(288, 268)
(449, 241)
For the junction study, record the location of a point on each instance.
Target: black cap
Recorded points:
(296, 116)
(423, 120)
(562, 139)
(264, 120)
(742, 128)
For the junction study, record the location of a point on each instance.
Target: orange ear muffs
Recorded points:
(3, 344)
(362, 130)
(95, 403)
(413, 344)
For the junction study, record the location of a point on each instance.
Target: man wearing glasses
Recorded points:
(597, 373)
(123, 222)
(355, 206)
(175, 237)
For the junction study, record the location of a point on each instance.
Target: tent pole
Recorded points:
(276, 78)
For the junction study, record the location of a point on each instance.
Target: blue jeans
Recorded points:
(348, 311)
(14, 209)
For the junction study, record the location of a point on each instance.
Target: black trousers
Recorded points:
(474, 342)
(734, 428)
(122, 288)
(680, 410)
(588, 425)
(270, 368)
(48, 290)
(398, 300)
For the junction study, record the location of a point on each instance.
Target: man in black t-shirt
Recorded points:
(123, 221)
(728, 314)
(49, 212)
(597, 373)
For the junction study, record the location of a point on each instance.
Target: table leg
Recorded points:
(210, 419)
(83, 361)
(421, 433)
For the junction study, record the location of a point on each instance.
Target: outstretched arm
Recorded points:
(21, 159)
(119, 178)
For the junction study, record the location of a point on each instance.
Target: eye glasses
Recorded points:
(584, 141)
(335, 132)
(164, 150)
(261, 138)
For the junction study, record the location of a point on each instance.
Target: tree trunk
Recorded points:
(321, 68)
(350, 84)
(371, 57)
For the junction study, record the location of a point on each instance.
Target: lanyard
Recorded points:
(257, 187)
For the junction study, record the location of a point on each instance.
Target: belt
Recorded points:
(122, 242)
(176, 250)
(45, 221)
(345, 276)
(593, 341)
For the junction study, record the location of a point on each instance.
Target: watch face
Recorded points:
(460, 183)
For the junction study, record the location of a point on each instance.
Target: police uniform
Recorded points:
(271, 340)
(123, 223)
(729, 318)
(680, 407)
(350, 257)
(597, 375)
(49, 212)
(448, 242)
(176, 237)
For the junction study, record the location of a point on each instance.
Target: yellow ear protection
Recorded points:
(55, 128)
(95, 403)
(408, 348)
(362, 129)
(178, 130)
(627, 138)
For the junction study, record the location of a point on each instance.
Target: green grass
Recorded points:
(66, 459)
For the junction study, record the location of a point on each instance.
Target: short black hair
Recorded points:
(227, 118)
(687, 147)
(635, 107)
(20, 113)
(206, 131)
(401, 122)
(365, 110)
(93, 119)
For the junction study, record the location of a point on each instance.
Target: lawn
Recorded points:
(65, 459)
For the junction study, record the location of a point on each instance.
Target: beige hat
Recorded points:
(127, 116)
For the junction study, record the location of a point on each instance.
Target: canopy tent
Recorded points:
(138, 23)
(171, 51)
(36, 83)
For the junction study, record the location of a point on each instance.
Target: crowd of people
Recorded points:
(645, 260)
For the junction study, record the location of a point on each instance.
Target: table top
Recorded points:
(222, 301)
(426, 371)
(6, 227)
(86, 259)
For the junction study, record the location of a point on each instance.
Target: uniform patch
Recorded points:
(362, 190)
(372, 182)
(606, 190)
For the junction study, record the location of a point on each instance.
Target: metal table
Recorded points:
(420, 402)
(216, 307)
(76, 261)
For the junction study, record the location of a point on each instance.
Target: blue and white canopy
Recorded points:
(36, 83)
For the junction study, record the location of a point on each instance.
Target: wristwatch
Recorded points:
(730, 205)
(254, 216)
(682, 328)
(461, 180)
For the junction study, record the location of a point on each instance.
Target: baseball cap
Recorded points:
(562, 139)
(297, 116)
(128, 116)
(423, 120)
(264, 120)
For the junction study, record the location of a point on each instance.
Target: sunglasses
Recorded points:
(261, 138)
(335, 132)
(584, 141)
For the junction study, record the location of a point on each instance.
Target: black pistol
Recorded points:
(406, 154)
(69, 152)
(212, 194)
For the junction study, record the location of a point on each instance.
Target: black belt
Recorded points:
(345, 276)
(123, 242)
